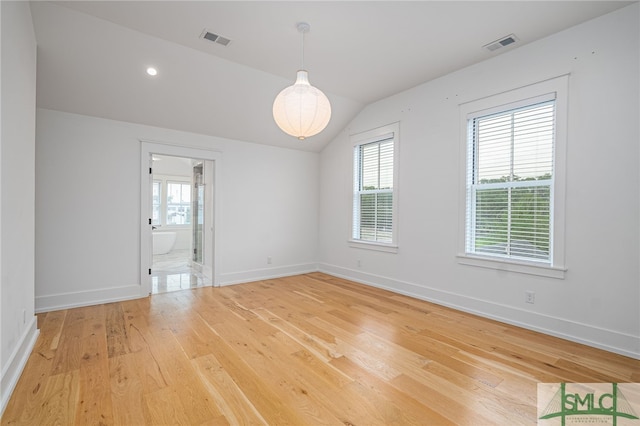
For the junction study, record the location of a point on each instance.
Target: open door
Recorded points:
(201, 210)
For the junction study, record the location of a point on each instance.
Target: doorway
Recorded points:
(178, 211)
(179, 217)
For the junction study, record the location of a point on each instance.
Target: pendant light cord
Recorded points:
(303, 28)
(302, 64)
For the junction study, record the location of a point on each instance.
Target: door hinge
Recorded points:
(149, 271)
(150, 171)
(149, 221)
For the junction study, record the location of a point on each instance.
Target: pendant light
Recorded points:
(302, 110)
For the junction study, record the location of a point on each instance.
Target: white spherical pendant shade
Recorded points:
(301, 110)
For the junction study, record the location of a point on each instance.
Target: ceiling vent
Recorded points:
(208, 35)
(504, 41)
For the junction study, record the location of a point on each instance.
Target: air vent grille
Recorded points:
(504, 41)
(216, 38)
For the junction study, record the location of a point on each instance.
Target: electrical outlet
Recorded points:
(530, 297)
(268, 260)
(24, 316)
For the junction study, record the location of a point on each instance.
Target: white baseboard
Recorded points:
(18, 359)
(56, 302)
(266, 273)
(609, 340)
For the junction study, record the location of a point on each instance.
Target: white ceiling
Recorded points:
(92, 55)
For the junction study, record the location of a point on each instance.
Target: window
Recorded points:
(178, 203)
(514, 188)
(374, 195)
(171, 201)
(511, 176)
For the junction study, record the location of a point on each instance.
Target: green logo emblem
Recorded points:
(583, 402)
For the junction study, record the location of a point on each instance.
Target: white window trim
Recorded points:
(375, 135)
(167, 204)
(556, 268)
(165, 180)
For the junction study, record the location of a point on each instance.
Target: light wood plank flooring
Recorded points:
(305, 350)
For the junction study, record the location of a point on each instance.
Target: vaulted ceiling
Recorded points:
(92, 55)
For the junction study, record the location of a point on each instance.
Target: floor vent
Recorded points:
(504, 41)
(208, 35)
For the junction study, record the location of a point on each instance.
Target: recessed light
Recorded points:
(152, 71)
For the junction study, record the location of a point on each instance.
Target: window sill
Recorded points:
(366, 245)
(529, 268)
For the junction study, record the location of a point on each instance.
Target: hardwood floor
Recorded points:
(305, 350)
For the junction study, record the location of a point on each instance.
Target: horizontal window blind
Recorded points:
(373, 191)
(510, 180)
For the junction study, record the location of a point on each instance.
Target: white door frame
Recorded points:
(148, 148)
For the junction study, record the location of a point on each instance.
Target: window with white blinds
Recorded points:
(373, 195)
(510, 181)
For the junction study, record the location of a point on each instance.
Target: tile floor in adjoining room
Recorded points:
(173, 271)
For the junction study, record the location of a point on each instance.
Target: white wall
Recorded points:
(598, 302)
(17, 136)
(87, 218)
